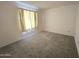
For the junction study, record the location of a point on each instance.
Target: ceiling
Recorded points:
(50, 4)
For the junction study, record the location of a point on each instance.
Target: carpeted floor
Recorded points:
(42, 45)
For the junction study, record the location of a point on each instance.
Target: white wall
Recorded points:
(60, 20)
(40, 21)
(9, 31)
(77, 29)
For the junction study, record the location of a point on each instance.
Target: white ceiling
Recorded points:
(50, 4)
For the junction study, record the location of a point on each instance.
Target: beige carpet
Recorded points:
(42, 45)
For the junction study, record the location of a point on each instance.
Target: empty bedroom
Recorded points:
(39, 29)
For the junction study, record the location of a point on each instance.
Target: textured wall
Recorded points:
(9, 31)
(60, 20)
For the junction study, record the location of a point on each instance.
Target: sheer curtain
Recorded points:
(28, 20)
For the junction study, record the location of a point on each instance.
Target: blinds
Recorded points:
(28, 20)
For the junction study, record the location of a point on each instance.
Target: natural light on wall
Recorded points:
(28, 20)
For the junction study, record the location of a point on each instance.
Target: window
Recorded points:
(28, 20)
